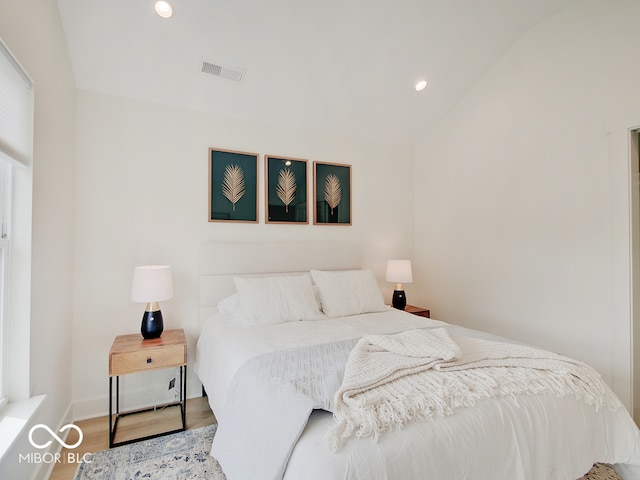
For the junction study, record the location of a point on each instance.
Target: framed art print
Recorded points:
(286, 190)
(233, 186)
(331, 193)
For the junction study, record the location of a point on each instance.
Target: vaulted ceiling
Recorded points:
(345, 67)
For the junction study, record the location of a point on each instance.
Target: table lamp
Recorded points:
(399, 272)
(152, 284)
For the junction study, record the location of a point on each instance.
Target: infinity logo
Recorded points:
(60, 441)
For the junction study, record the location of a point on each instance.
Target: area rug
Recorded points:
(185, 455)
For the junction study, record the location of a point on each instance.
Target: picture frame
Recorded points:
(286, 196)
(233, 186)
(331, 193)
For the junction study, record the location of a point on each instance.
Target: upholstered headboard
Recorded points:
(220, 261)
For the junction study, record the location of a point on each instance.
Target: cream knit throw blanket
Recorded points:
(417, 374)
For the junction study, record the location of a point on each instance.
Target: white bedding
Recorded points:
(223, 347)
(534, 437)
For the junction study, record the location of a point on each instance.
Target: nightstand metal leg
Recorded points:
(183, 397)
(113, 423)
(117, 398)
(110, 410)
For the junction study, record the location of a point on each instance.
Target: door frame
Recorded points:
(621, 128)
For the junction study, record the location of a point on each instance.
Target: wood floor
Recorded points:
(96, 432)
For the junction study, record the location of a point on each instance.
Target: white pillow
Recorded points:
(229, 304)
(279, 299)
(349, 292)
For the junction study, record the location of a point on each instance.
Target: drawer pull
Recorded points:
(148, 360)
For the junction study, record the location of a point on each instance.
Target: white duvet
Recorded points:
(530, 437)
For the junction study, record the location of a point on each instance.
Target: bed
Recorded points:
(271, 381)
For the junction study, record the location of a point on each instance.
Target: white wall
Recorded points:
(512, 207)
(514, 230)
(32, 30)
(141, 198)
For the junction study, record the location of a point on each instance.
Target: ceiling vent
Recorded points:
(216, 69)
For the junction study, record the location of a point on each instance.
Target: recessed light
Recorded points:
(163, 9)
(421, 85)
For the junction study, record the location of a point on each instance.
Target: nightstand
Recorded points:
(421, 312)
(134, 354)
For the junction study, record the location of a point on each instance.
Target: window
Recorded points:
(5, 196)
(16, 151)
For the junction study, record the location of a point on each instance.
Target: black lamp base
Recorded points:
(399, 300)
(152, 325)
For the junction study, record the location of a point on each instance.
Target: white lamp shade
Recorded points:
(152, 283)
(399, 271)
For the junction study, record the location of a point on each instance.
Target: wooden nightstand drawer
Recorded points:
(151, 359)
(132, 353)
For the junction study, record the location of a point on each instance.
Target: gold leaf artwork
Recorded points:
(286, 188)
(332, 191)
(233, 184)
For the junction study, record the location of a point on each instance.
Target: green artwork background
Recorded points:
(221, 208)
(342, 213)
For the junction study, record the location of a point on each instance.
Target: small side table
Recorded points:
(421, 312)
(133, 354)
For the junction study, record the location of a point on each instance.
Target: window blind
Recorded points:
(16, 109)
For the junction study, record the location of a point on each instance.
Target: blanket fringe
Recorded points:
(438, 394)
